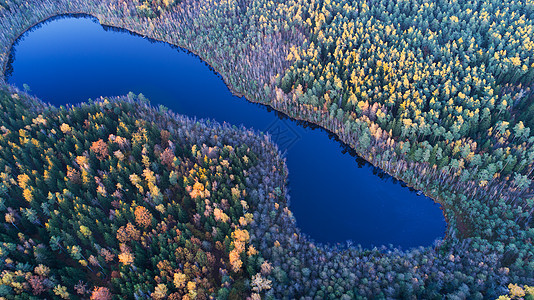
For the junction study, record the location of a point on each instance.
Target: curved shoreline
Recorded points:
(280, 113)
(299, 120)
(20, 35)
(345, 145)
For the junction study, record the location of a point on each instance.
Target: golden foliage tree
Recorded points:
(100, 148)
(143, 217)
(101, 293)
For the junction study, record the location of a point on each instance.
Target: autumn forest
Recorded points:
(117, 198)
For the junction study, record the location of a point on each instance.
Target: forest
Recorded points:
(437, 94)
(97, 201)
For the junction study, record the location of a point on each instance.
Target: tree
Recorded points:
(100, 148)
(31, 215)
(260, 284)
(37, 284)
(126, 258)
(160, 292)
(127, 233)
(81, 288)
(61, 291)
(143, 217)
(364, 140)
(101, 293)
(521, 181)
(179, 280)
(167, 157)
(55, 243)
(10, 218)
(521, 131)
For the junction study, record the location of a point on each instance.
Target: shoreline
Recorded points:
(299, 120)
(19, 35)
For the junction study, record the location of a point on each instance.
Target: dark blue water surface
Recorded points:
(333, 196)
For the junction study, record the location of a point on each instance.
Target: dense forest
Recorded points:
(115, 197)
(438, 94)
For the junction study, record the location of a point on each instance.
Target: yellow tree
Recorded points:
(143, 217)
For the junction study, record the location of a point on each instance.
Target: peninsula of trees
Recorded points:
(115, 197)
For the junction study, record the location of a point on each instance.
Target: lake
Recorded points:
(334, 196)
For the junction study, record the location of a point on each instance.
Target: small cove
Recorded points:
(334, 195)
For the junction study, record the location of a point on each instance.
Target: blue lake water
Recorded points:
(334, 196)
